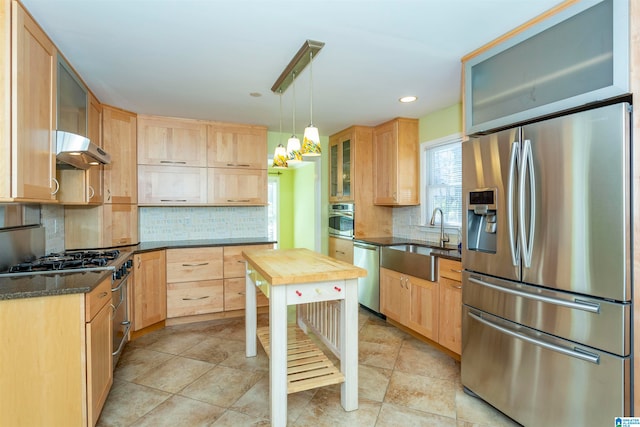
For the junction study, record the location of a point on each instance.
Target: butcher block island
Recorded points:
(325, 292)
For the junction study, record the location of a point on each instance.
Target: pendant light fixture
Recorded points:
(293, 144)
(311, 140)
(280, 156)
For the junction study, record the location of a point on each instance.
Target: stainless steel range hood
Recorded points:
(78, 151)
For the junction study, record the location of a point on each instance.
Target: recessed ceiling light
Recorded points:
(406, 99)
(255, 94)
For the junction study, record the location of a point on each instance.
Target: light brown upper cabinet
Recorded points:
(340, 166)
(28, 88)
(236, 146)
(171, 142)
(237, 160)
(119, 140)
(396, 163)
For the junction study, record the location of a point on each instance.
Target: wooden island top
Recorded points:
(292, 266)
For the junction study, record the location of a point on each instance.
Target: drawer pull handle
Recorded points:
(195, 298)
(173, 200)
(240, 261)
(173, 163)
(457, 287)
(244, 165)
(337, 289)
(195, 265)
(299, 293)
(102, 295)
(238, 200)
(455, 271)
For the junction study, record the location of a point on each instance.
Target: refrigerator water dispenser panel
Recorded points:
(482, 220)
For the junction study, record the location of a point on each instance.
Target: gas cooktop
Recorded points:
(68, 261)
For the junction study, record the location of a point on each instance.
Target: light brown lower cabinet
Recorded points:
(235, 275)
(432, 309)
(341, 249)
(149, 289)
(192, 298)
(57, 370)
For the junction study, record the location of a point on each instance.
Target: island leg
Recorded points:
(251, 317)
(278, 360)
(349, 346)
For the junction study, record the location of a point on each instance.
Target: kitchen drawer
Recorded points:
(450, 269)
(193, 264)
(315, 292)
(234, 295)
(191, 298)
(234, 262)
(97, 298)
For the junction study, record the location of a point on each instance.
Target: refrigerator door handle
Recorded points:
(514, 160)
(575, 305)
(526, 240)
(572, 352)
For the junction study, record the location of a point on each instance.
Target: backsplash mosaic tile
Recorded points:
(191, 223)
(406, 225)
(52, 219)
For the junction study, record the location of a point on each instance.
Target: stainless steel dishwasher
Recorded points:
(368, 257)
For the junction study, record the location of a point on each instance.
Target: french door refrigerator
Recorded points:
(546, 294)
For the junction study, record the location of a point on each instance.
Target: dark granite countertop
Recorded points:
(50, 284)
(79, 282)
(178, 244)
(449, 252)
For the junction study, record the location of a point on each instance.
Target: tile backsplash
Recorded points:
(191, 223)
(406, 225)
(52, 219)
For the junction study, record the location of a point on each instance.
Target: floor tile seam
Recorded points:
(455, 419)
(170, 395)
(262, 375)
(164, 363)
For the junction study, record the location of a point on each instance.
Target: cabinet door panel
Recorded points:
(193, 264)
(171, 185)
(394, 296)
(33, 110)
(451, 315)
(237, 187)
(121, 224)
(192, 298)
(425, 305)
(167, 141)
(236, 146)
(119, 139)
(99, 361)
(95, 173)
(149, 289)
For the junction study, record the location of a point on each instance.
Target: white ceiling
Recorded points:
(202, 58)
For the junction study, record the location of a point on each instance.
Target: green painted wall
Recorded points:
(297, 202)
(438, 124)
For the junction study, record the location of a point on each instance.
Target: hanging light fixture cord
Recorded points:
(280, 136)
(294, 103)
(310, 87)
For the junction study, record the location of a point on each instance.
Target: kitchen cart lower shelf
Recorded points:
(307, 366)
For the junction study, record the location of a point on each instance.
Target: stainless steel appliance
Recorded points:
(341, 221)
(368, 257)
(119, 262)
(546, 328)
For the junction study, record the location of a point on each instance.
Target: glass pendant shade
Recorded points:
(293, 149)
(311, 142)
(280, 157)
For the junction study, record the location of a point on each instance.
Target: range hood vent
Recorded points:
(78, 151)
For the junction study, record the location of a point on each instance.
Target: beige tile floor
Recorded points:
(198, 375)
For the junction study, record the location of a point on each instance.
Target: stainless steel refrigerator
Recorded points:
(546, 327)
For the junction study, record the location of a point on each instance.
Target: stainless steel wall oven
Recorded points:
(341, 220)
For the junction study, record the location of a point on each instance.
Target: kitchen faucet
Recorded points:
(443, 237)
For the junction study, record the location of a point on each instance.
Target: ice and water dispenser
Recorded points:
(481, 220)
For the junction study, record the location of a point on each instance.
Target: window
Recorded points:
(442, 180)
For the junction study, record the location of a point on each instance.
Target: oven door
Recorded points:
(121, 323)
(341, 224)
